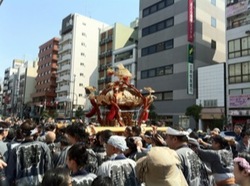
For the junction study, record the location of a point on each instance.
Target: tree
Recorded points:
(194, 111)
(45, 114)
(152, 114)
(79, 113)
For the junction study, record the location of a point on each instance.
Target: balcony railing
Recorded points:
(238, 24)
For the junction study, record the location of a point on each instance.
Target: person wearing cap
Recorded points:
(119, 168)
(160, 168)
(28, 161)
(191, 165)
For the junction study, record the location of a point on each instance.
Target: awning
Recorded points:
(212, 113)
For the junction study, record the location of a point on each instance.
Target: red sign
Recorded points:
(191, 21)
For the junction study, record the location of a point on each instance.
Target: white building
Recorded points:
(10, 87)
(238, 61)
(212, 95)
(78, 59)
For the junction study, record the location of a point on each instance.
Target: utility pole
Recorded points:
(74, 81)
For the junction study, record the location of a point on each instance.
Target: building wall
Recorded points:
(211, 85)
(238, 63)
(78, 58)
(128, 62)
(204, 55)
(30, 82)
(113, 38)
(46, 68)
(205, 11)
(122, 34)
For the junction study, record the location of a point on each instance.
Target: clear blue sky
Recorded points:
(26, 24)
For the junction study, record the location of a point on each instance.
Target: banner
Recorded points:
(190, 70)
(237, 8)
(191, 21)
(239, 101)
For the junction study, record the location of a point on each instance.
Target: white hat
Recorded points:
(193, 141)
(118, 142)
(173, 132)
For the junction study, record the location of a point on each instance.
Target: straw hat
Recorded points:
(160, 168)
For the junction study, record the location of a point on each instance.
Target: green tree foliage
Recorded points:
(152, 113)
(79, 113)
(45, 114)
(194, 111)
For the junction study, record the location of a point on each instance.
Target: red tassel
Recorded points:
(111, 113)
(91, 113)
(145, 116)
(126, 79)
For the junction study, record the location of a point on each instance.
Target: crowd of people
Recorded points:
(76, 154)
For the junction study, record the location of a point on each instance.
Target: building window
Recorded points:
(239, 47)
(144, 74)
(239, 73)
(151, 73)
(213, 44)
(157, 7)
(213, 22)
(168, 95)
(158, 26)
(154, 72)
(213, 2)
(160, 71)
(245, 46)
(169, 44)
(161, 5)
(158, 96)
(235, 92)
(246, 91)
(210, 103)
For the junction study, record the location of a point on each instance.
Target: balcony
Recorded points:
(64, 88)
(65, 48)
(64, 58)
(238, 24)
(63, 68)
(65, 38)
(63, 78)
(63, 99)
